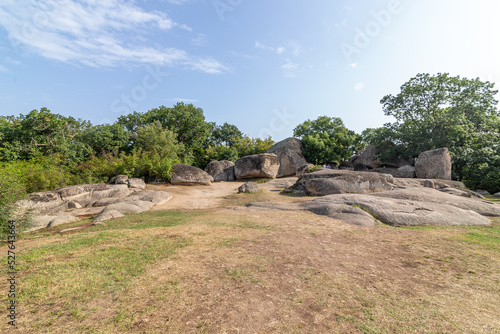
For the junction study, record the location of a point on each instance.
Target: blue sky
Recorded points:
(265, 66)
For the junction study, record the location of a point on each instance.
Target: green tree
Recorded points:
(443, 111)
(246, 145)
(326, 139)
(106, 138)
(225, 134)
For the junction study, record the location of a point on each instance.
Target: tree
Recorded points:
(326, 139)
(225, 134)
(246, 145)
(106, 138)
(443, 111)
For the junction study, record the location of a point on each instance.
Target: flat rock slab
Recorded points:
(107, 215)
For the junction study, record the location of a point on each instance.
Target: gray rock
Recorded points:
(435, 164)
(119, 179)
(289, 153)
(186, 175)
(258, 165)
(136, 183)
(303, 170)
(106, 215)
(404, 212)
(483, 192)
(405, 172)
(221, 170)
(74, 205)
(461, 192)
(63, 219)
(497, 194)
(366, 159)
(104, 202)
(72, 229)
(249, 187)
(427, 195)
(429, 184)
(329, 181)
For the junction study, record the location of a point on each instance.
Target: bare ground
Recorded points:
(266, 271)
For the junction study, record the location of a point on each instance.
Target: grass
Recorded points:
(492, 198)
(206, 271)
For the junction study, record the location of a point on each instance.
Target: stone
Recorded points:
(429, 184)
(63, 219)
(330, 181)
(136, 183)
(303, 170)
(249, 187)
(186, 175)
(72, 229)
(257, 165)
(427, 195)
(221, 170)
(74, 205)
(157, 197)
(365, 160)
(289, 153)
(497, 194)
(435, 164)
(483, 192)
(119, 179)
(107, 215)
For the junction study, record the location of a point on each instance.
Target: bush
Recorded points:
(11, 190)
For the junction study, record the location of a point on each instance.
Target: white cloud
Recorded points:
(289, 69)
(96, 33)
(279, 50)
(200, 41)
(359, 86)
(180, 99)
(3, 69)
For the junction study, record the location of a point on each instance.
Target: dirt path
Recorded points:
(207, 197)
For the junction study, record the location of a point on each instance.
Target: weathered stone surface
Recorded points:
(74, 205)
(157, 197)
(461, 192)
(417, 183)
(258, 165)
(427, 195)
(249, 187)
(289, 153)
(39, 222)
(104, 202)
(125, 207)
(136, 183)
(405, 212)
(405, 172)
(330, 181)
(72, 229)
(221, 170)
(366, 159)
(119, 179)
(429, 184)
(497, 194)
(483, 192)
(107, 215)
(303, 170)
(186, 175)
(435, 164)
(63, 219)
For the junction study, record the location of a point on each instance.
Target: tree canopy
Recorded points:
(326, 139)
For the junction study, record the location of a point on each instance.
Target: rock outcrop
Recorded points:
(186, 175)
(289, 153)
(258, 165)
(221, 170)
(435, 164)
(331, 181)
(249, 187)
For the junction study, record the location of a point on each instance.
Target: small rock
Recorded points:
(136, 183)
(249, 187)
(497, 194)
(74, 205)
(429, 184)
(119, 179)
(107, 215)
(62, 220)
(483, 192)
(71, 229)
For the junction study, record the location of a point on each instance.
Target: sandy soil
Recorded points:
(208, 197)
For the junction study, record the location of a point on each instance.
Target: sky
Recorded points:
(263, 65)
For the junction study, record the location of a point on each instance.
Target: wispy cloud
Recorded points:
(200, 41)
(289, 69)
(96, 33)
(3, 69)
(180, 99)
(278, 50)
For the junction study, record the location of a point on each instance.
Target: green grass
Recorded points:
(492, 198)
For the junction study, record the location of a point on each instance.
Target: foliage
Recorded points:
(40, 133)
(106, 138)
(326, 139)
(443, 111)
(224, 135)
(10, 192)
(248, 146)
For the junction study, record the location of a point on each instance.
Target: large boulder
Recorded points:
(257, 165)
(331, 181)
(366, 160)
(289, 152)
(435, 164)
(221, 170)
(186, 175)
(136, 183)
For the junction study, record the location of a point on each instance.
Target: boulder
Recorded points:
(119, 179)
(289, 153)
(136, 183)
(107, 215)
(435, 164)
(483, 192)
(405, 212)
(497, 194)
(74, 205)
(330, 181)
(365, 160)
(221, 170)
(249, 187)
(257, 165)
(429, 184)
(405, 172)
(186, 175)
(63, 219)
